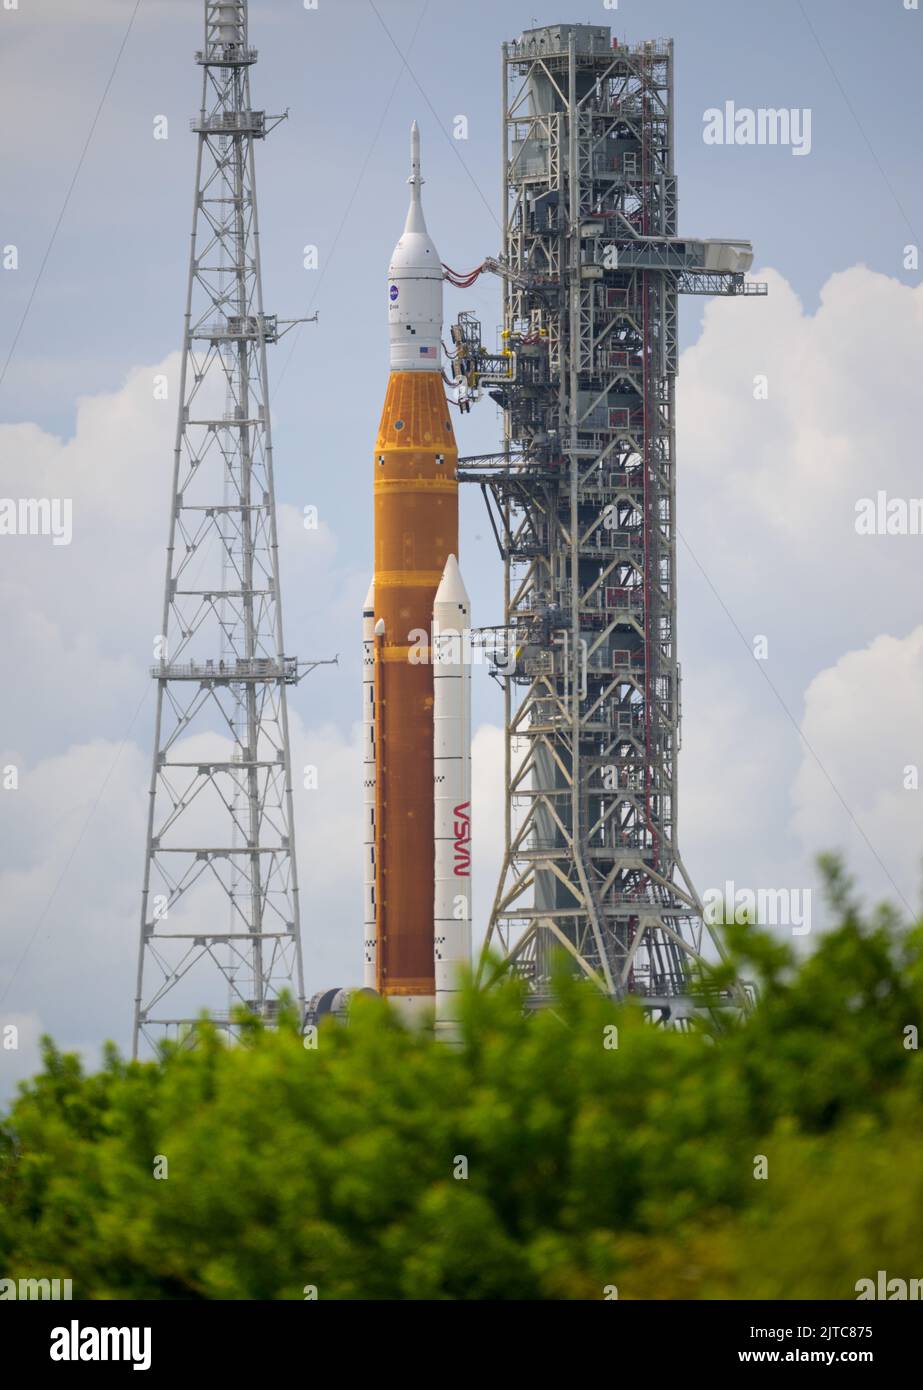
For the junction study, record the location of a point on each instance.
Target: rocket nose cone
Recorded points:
(451, 585)
(415, 220)
(369, 605)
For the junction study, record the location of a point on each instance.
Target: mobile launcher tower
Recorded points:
(582, 501)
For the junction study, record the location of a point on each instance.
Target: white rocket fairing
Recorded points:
(451, 634)
(415, 278)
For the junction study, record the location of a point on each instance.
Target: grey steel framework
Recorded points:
(219, 915)
(583, 504)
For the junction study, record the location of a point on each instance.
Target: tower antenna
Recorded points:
(220, 924)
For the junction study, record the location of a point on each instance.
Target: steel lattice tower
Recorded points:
(583, 505)
(219, 916)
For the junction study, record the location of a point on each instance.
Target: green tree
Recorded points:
(533, 1161)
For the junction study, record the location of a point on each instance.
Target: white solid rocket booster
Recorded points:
(451, 792)
(368, 781)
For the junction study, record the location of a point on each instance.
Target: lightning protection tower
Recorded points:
(219, 916)
(583, 502)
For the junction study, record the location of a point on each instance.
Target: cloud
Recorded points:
(864, 720)
(768, 488)
(82, 617)
(73, 848)
(767, 493)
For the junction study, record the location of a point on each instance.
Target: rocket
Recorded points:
(416, 662)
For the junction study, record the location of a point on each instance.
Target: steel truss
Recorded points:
(583, 507)
(219, 916)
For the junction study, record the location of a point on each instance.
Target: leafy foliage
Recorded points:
(587, 1165)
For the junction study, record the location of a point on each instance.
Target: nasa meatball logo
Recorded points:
(392, 293)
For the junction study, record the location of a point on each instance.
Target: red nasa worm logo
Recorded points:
(462, 815)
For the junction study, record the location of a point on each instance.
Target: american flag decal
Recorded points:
(427, 352)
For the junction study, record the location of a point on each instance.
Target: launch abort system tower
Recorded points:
(219, 917)
(583, 503)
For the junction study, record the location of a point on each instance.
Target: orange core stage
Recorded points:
(416, 529)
